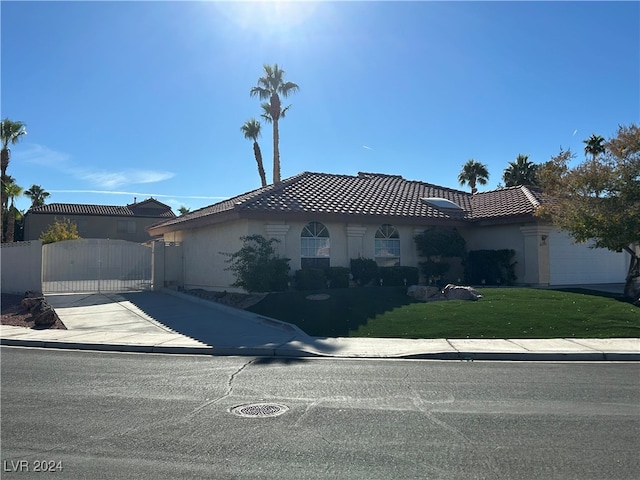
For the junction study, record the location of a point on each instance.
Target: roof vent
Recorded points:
(439, 202)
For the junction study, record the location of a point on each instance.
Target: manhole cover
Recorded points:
(259, 410)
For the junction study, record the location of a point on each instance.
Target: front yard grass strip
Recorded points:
(502, 313)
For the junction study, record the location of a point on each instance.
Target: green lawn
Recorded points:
(502, 313)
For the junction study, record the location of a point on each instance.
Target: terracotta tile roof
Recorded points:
(141, 209)
(368, 195)
(506, 202)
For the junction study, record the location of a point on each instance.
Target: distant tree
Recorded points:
(37, 194)
(594, 146)
(520, 172)
(473, 173)
(257, 267)
(59, 231)
(183, 210)
(270, 87)
(599, 199)
(11, 190)
(251, 130)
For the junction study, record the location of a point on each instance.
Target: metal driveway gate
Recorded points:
(95, 265)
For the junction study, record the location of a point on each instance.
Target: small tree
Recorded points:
(257, 267)
(599, 199)
(436, 243)
(59, 231)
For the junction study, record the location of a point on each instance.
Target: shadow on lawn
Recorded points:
(595, 293)
(344, 311)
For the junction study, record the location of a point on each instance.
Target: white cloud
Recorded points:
(141, 194)
(41, 155)
(106, 179)
(46, 157)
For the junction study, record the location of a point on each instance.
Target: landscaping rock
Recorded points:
(44, 314)
(457, 292)
(424, 293)
(31, 302)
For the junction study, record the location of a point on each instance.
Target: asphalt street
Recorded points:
(118, 415)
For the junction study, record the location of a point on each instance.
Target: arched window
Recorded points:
(387, 247)
(315, 246)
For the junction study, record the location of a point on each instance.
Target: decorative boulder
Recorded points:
(44, 315)
(31, 302)
(424, 293)
(456, 292)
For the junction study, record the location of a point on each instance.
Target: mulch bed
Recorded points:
(13, 313)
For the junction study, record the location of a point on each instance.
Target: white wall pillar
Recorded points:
(355, 241)
(536, 254)
(279, 232)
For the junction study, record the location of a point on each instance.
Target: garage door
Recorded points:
(572, 263)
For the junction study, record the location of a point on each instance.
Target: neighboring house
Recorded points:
(326, 220)
(99, 221)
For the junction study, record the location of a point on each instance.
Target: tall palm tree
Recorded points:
(183, 210)
(270, 87)
(10, 133)
(520, 172)
(11, 190)
(37, 194)
(472, 173)
(251, 130)
(594, 146)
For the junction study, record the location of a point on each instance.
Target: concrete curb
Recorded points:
(284, 351)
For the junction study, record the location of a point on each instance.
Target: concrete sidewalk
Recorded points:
(170, 322)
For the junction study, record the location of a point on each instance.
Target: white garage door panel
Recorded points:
(578, 264)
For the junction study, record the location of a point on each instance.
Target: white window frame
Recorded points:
(387, 246)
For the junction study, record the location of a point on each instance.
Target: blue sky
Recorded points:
(139, 99)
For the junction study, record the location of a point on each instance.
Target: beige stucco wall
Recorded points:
(21, 265)
(498, 238)
(348, 240)
(204, 263)
(202, 249)
(531, 249)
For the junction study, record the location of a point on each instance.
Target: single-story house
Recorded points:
(116, 222)
(324, 219)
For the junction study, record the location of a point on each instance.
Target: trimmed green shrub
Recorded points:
(311, 279)
(436, 243)
(364, 270)
(396, 276)
(338, 277)
(490, 267)
(257, 267)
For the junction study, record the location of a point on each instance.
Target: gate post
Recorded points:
(157, 265)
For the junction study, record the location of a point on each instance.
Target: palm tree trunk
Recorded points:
(276, 152)
(258, 154)
(4, 161)
(11, 224)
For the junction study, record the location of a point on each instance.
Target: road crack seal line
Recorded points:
(232, 378)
